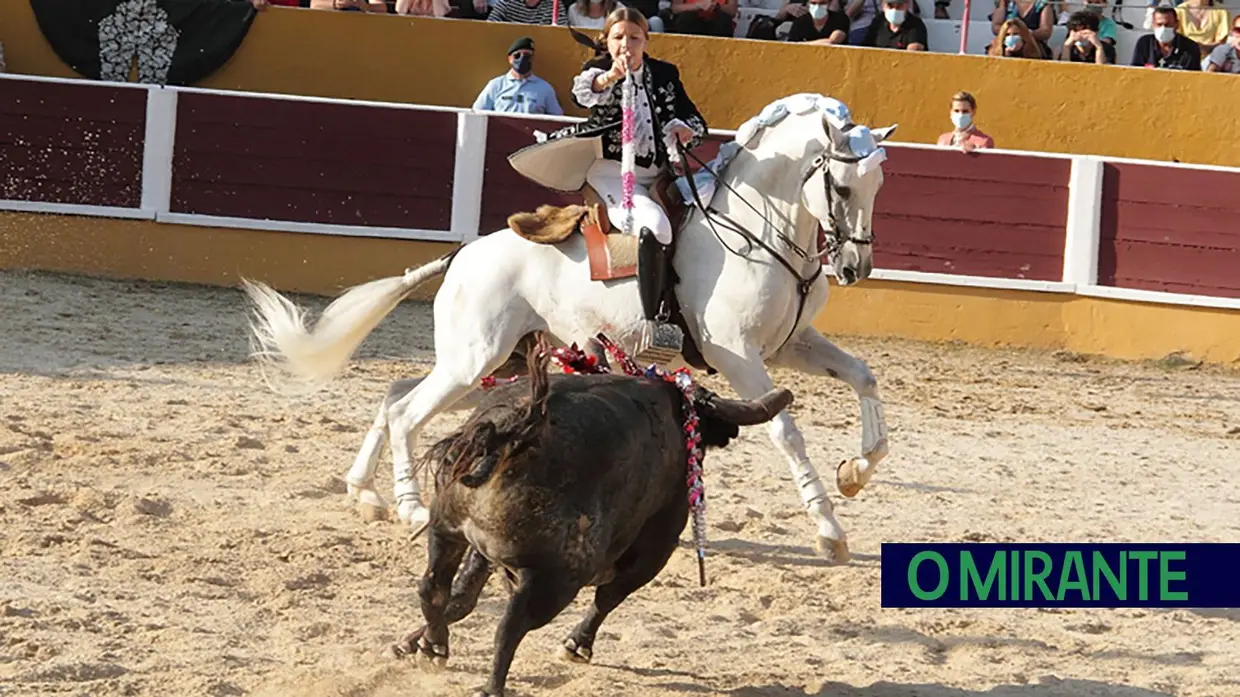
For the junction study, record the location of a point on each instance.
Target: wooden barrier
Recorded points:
(189, 161)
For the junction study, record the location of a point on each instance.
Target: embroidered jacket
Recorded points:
(668, 105)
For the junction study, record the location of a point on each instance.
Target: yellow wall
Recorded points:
(994, 318)
(326, 264)
(143, 249)
(1025, 105)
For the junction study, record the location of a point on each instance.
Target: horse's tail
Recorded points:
(311, 358)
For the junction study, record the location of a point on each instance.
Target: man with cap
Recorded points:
(519, 90)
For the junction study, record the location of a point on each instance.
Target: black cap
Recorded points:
(524, 42)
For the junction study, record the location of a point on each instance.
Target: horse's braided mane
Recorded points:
(492, 436)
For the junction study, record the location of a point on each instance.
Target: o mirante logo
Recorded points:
(1060, 575)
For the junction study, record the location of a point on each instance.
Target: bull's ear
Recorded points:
(749, 412)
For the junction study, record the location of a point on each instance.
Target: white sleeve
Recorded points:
(583, 88)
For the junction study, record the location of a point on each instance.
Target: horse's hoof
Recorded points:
(834, 551)
(371, 506)
(355, 489)
(852, 475)
(573, 653)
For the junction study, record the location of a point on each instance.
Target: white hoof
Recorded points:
(371, 506)
(355, 490)
(834, 551)
(852, 476)
(415, 514)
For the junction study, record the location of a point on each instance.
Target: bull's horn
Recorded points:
(748, 412)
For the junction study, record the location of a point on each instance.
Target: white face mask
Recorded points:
(1164, 34)
(961, 120)
(817, 11)
(895, 17)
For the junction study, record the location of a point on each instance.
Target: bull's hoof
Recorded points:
(852, 475)
(573, 653)
(834, 551)
(409, 645)
(432, 656)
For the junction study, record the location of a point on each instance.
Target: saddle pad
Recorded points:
(612, 256)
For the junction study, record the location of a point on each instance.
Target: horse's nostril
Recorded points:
(849, 274)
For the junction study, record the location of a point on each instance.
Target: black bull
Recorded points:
(562, 482)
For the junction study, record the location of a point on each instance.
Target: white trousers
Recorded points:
(604, 176)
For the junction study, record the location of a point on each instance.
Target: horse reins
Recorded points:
(834, 243)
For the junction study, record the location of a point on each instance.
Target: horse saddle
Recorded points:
(612, 254)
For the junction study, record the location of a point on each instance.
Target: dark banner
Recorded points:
(175, 42)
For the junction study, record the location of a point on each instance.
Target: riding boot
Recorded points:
(661, 342)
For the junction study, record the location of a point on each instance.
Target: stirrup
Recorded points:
(660, 343)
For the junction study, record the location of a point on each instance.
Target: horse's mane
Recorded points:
(773, 114)
(494, 435)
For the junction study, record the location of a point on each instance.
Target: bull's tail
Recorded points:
(311, 358)
(488, 441)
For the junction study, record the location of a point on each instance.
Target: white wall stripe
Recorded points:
(76, 209)
(1083, 231)
(312, 228)
(161, 125)
(947, 279)
(467, 175)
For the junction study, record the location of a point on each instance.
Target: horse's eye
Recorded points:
(843, 191)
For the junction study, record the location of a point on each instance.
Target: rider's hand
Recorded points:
(683, 133)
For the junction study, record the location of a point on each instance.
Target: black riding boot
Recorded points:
(660, 342)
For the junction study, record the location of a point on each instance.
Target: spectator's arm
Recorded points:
(497, 13)
(730, 7)
(998, 17)
(1046, 25)
(837, 38)
(485, 101)
(853, 8)
(1211, 66)
(918, 39)
(679, 6)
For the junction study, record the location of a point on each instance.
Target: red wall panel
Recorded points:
(1170, 229)
(313, 162)
(71, 143)
(993, 215)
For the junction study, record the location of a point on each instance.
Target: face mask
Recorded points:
(817, 11)
(523, 64)
(895, 17)
(961, 119)
(1164, 34)
(1083, 45)
(1010, 41)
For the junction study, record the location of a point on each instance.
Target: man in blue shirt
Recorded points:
(519, 90)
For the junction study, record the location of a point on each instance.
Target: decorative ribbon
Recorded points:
(628, 148)
(573, 360)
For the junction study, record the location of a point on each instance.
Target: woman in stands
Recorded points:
(1014, 40)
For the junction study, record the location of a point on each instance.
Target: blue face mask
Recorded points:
(1010, 41)
(523, 64)
(961, 120)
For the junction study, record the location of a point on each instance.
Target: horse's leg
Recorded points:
(747, 375)
(361, 477)
(457, 370)
(810, 352)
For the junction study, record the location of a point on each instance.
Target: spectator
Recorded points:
(519, 91)
(1108, 30)
(1165, 48)
(820, 24)
(965, 135)
(423, 8)
(527, 12)
(350, 5)
(897, 29)
(590, 14)
(1036, 15)
(1226, 57)
(777, 16)
(652, 10)
(1084, 43)
(1014, 40)
(861, 14)
(703, 17)
(1204, 23)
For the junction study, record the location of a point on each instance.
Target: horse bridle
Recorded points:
(834, 239)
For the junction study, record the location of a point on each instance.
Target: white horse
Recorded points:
(751, 281)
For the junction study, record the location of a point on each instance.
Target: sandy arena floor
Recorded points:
(170, 527)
